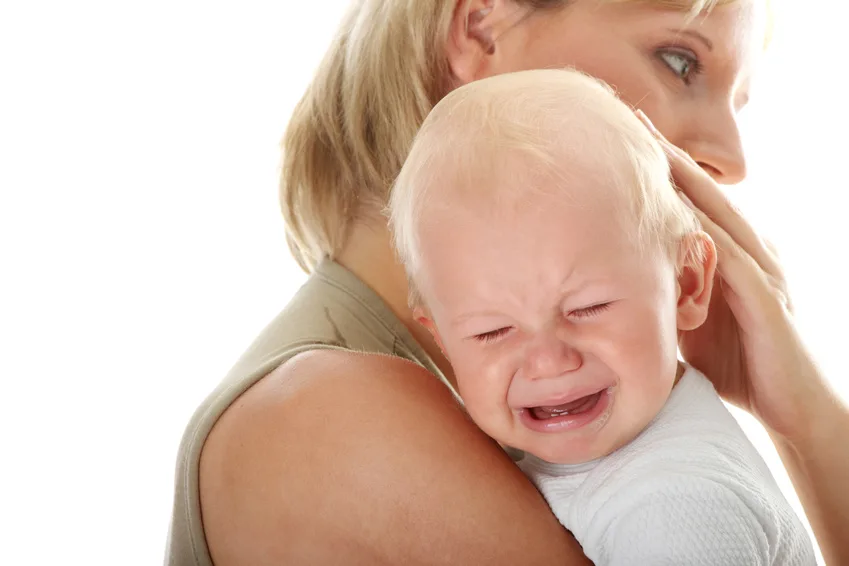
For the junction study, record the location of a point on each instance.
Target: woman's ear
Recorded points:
(697, 268)
(471, 39)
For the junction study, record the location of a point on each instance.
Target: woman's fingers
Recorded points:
(738, 269)
(729, 253)
(706, 195)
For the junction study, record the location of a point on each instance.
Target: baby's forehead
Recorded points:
(504, 180)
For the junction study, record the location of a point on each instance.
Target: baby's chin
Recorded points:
(578, 450)
(569, 453)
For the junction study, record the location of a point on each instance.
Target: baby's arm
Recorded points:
(688, 521)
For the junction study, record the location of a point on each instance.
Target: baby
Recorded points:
(551, 258)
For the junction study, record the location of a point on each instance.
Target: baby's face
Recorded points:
(563, 336)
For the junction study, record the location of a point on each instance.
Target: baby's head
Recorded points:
(551, 258)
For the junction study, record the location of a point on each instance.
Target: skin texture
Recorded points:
(369, 459)
(346, 458)
(783, 387)
(691, 92)
(537, 297)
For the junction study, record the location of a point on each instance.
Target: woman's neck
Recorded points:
(368, 254)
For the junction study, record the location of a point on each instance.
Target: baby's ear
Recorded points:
(423, 317)
(697, 268)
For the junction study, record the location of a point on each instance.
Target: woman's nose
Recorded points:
(715, 144)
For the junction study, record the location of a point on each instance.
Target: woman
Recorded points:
(320, 448)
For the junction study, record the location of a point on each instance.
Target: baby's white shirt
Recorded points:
(690, 490)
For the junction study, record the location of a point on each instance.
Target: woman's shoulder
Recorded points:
(326, 393)
(314, 341)
(335, 376)
(338, 451)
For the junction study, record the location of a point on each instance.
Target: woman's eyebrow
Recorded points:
(696, 35)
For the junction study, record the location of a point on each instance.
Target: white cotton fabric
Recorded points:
(689, 490)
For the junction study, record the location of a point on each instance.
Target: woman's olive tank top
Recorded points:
(333, 309)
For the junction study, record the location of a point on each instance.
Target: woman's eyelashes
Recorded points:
(682, 62)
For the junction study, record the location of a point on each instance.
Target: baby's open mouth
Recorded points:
(575, 407)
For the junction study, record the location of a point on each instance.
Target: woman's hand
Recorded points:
(748, 346)
(751, 351)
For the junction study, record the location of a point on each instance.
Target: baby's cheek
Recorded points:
(646, 393)
(484, 393)
(471, 382)
(646, 376)
(488, 414)
(643, 351)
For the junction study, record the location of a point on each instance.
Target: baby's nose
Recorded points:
(551, 357)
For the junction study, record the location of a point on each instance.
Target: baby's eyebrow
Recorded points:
(464, 317)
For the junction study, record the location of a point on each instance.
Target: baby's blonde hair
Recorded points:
(477, 135)
(350, 133)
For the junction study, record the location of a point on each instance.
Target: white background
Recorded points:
(141, 247)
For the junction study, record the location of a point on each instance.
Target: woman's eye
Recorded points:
(590, 311)
(492, 335)
(683, 63)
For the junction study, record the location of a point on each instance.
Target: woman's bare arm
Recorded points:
(818, 465)
(349, 458)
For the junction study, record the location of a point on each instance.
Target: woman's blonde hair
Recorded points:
(350, 133)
